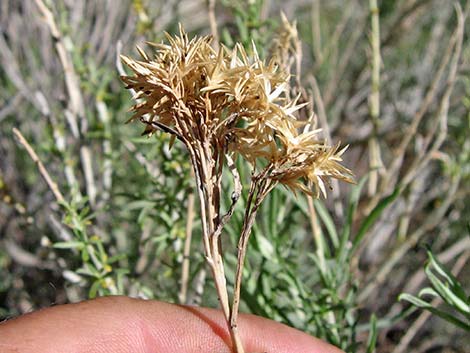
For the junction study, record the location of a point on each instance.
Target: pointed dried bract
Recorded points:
(285, 43)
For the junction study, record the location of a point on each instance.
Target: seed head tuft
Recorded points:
(230, 102)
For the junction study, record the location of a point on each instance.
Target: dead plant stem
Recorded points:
(316, 31)
(259, 189)
(183, 294)
(207, 185)
(375, 159)
(213, 24)
(42, 170)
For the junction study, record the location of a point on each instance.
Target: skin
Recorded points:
(121, 324)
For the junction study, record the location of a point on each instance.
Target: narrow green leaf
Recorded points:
(137, 205)
(265, 247)
(120, 274)
(447, 294)
(94, 289)
(352, 206)
(242, 29)
(425, 305)
(388, 321)
(374, 214)
(327, 221)
(413, 300)
(69, 245)
(372, 340)
(273, 209)
(442, 270)
(88, 270)
(116, 258)
(85, 255)
(428, 291)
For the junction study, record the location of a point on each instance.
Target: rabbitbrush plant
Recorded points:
(222, 104)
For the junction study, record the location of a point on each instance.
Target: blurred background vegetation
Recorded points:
(394, 84)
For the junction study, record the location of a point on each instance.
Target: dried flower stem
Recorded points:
(259, 189)
(222, 104)
(45, 174)
(183, 294)
(209, 191)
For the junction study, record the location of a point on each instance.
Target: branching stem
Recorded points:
(259, 189)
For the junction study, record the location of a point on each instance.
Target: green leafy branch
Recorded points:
(444, 285)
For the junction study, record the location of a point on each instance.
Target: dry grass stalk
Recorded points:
(375, 159)
(220, 104)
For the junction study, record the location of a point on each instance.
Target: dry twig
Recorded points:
(42, 170)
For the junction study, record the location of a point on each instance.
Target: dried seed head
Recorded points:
(230, 102)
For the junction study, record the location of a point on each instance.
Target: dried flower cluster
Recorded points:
(221, 104)
(231, 103)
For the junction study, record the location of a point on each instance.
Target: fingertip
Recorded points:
(121, 324)
(258, 334)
